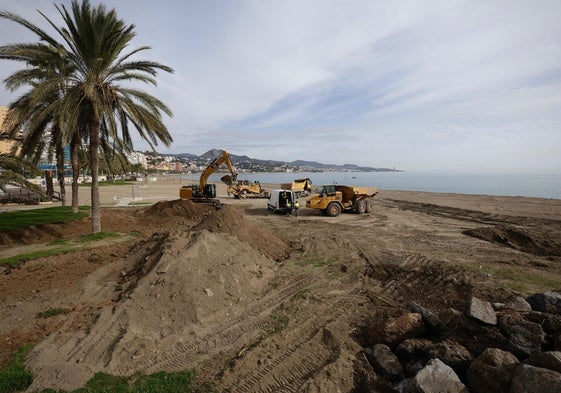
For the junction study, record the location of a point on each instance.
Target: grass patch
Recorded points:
(15, 260)
(14, 377)
(51, 312)
(105, 183)
(69, 246)
(526, 282)
(518, 279)
(303, 294)
(280, 321)
(50, 215)
(161, 382)
(59, 242)
(135, 234)
(314, 261)
(97, 236)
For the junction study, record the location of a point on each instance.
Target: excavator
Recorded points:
(206, 193)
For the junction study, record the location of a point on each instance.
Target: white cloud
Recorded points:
(416, 83)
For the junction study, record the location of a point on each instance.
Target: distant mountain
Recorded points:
(299, 164)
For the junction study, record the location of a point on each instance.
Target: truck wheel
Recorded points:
(369, 205)
(333, 209)
(243, 194)
(360, 206)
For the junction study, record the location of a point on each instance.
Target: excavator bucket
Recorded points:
(227, 179)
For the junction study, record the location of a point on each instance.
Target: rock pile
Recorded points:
(502, 347)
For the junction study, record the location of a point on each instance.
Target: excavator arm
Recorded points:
(211, 168)
(204, 193)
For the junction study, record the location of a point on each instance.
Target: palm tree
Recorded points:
(11, 172)
(36, 111)
(95, 40)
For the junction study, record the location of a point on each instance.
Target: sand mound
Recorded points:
(532, 242)
(177, 208)
(230, 220)
(177, 283)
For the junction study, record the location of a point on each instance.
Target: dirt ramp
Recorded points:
(526, 240)
(179, 285)
(230, 220)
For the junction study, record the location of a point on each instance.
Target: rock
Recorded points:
(432, 321)
(450, 317)
(385, 363)
(403, 327)
(437, 377)
(413, 354)
(525, 338)
(518, 303)
(499, 306)
(481, 311)
(405, 386)
(550, 323)
(549, 302)
(550, 360)
(530, 379)
(492, 371)
(451, 353)
(413, 349)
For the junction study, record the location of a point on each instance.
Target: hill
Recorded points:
(311, 166)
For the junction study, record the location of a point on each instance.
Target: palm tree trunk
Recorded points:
(94, 166)
(74, 151)
(60, 173)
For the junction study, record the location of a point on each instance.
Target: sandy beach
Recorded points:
(256, 301)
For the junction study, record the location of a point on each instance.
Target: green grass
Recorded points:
(161, 382)
(527, 282)
(51, 312)
(14, 377)
(63, 246)
(303, 293)
(97, 236)
(15, 260)
(280, 321)
(519, 279)
(314, 261)
(108, 183)
(50, 215)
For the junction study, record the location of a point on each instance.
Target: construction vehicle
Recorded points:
(206, 193)
(332, 199)
(246, 189)
(301, 187)
(281, 201)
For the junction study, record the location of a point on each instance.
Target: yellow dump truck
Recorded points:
(332, 199)
(300, 187)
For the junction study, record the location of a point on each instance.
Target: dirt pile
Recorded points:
(176, 285)
(230, 220)
(525, 240)
(179, 208)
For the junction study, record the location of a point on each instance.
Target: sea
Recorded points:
(499, 184)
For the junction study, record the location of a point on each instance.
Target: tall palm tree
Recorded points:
(11, 172)
(36, 111)
(95, 40)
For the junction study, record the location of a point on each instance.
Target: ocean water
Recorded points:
(506, 184)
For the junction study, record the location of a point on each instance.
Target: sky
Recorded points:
(416, 85)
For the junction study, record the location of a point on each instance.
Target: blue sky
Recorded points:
(414, 84)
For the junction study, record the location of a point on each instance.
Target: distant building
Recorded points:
(137, 157)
